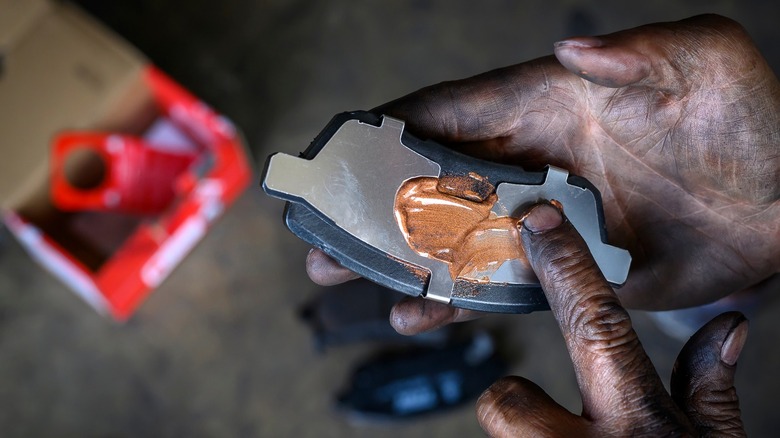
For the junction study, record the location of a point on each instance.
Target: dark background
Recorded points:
(218, 349)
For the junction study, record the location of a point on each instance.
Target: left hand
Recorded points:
(622, 395)
(676, 124)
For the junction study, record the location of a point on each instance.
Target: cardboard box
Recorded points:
(62, 71)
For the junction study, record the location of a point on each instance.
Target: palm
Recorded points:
(680, 217)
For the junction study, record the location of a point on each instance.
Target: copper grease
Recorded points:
(449, 219)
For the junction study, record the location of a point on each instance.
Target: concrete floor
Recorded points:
(218, 351)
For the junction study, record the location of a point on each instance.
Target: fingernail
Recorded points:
(732, 346)
(580, 43)
(542, 217)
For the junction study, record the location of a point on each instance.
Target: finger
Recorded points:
(325, 271)
(411, 316)
(610, 65)
(517, 407)
(663, 56)
(613, 370)
(703, 377)
(484, 107)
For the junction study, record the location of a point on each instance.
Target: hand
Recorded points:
(677, 124)
(622, 394)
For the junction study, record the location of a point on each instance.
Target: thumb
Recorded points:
(514, 407)
(662, 56)
(703, 378)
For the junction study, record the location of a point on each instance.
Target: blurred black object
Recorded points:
(581, 22)
(358, 311)
(411, 375)
(424, 380)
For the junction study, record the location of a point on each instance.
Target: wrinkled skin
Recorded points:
(677, 124)
(622, 395)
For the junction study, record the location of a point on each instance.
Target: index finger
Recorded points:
(613, 370)
(483, 107)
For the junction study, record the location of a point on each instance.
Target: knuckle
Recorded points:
(721, 403)
(715, 410)
(601, 323)
(496, 406)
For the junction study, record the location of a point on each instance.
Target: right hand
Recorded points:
(622, 394)
(678, 126)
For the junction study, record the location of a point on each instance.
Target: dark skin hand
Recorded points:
(678, 126)
(622, 395)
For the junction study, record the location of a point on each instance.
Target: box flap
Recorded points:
(17, 19)
(61, 70)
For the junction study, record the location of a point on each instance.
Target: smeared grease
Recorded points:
(449, 219)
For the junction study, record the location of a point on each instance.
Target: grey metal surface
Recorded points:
(353, 181)
(579, 206)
